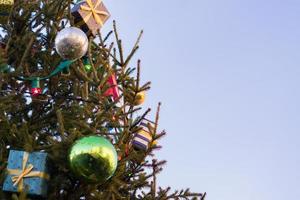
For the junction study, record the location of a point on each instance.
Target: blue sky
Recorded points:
(227, 72)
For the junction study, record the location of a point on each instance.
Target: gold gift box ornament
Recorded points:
(90, 15)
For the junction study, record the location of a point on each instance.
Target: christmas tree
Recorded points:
(71, 121)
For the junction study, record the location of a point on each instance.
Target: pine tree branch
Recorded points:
(119, 44)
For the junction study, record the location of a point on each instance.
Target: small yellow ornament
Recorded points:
(140, 98)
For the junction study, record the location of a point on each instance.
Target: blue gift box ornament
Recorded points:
(27, 171)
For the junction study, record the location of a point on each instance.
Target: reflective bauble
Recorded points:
(93, 159)
(71, 43)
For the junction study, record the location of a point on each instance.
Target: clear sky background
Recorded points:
(227, 72)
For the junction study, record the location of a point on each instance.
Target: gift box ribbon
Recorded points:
(26, 172)
(93, 11)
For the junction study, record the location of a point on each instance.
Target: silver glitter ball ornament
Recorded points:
(71, 43)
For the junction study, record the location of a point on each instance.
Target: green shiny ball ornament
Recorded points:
(94, 159)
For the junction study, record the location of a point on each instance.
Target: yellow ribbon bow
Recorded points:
(93, 11)
(18, 179)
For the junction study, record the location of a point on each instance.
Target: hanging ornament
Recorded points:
(93, 159)
(71, 43)
(142, 138)
(140, 98)
(27, 172)
(87, 64)
(90, 15)
(35, 87)
(112, 90)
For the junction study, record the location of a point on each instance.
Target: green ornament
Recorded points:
(93, 159)
(87, 64)
(88, 67)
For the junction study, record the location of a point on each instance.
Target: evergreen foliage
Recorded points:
(73, 106)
